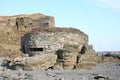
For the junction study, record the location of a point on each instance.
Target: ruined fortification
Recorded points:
(34, 42)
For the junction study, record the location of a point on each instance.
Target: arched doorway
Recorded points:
(82, 51)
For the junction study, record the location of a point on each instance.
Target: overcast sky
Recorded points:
(100, 19)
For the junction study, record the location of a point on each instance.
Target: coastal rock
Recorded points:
(33, 63)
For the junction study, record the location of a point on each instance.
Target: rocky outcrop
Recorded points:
(42, 62)
(72, 58)
(25, 20)
(88, 60)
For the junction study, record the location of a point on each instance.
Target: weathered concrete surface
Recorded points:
(70, 45)
(52, 39)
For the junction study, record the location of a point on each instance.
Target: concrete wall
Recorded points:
(52, 41)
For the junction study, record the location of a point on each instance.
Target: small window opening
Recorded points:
(17, 24)
(46, 24)
(59, 54)
(36, 49)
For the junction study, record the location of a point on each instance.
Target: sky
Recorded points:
(99, 19)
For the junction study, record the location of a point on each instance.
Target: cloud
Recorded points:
(112, 4)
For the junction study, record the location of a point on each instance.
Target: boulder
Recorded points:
(43, 61)
(99, 77)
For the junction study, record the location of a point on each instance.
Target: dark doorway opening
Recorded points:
(36, 49)
(83, 50)
(59, 54)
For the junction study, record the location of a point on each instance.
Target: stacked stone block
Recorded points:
(70, 53)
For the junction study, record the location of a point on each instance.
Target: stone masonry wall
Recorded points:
(52, 41)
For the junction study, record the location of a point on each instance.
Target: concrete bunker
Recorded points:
(68, 46)
(49, 40)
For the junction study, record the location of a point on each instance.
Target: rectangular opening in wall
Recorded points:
(46, 25)
(36, 49)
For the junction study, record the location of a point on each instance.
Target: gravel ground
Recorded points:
(111, 71)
